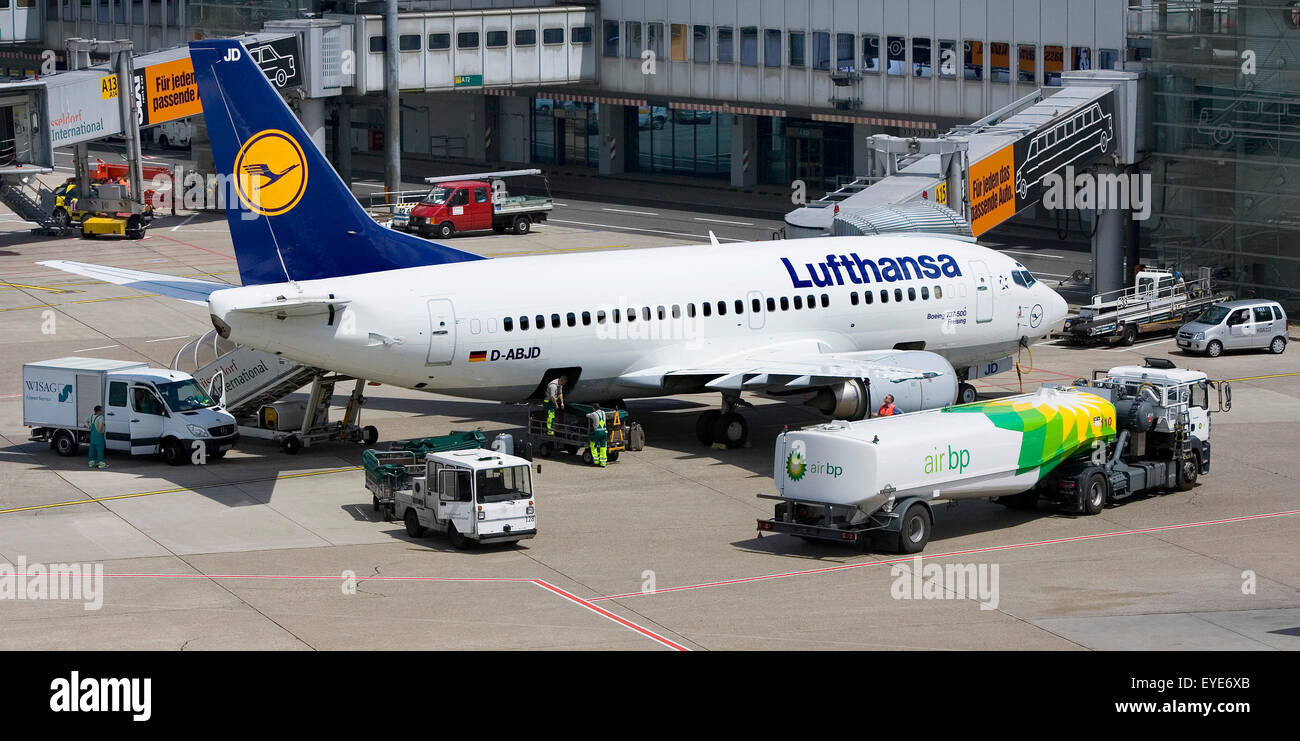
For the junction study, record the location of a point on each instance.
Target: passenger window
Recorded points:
(911, 294)
(868, 297)
(756, 305)
(631, 314)
(798, 302)
(572, 320)
(785, 304)
(541, 321)
(508, 324)
(1263, 314)
(771, 304)
(708, 308)
(555, 321)
(690, 310)
(677, 312)
(740, 306)
(938, 292)
(475, 326)
(586, 318)
(925, 293)
(645, 313)
(853, 298)
(662, 314)
(812, 301)
(618, 316)
(600, 317)
(117, 394)
(722, 308)
(523, 323)
(884, 296)
(826, 301)
(898, 294)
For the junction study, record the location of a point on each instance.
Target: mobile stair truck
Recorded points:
(1158, 302)
(146, 410)
(1134, 429)
(476, 495)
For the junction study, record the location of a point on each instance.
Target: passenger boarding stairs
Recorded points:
(31, 201)
(250, 378)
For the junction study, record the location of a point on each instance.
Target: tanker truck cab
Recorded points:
(471, 495)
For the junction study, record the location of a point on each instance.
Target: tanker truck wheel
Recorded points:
(915, 530)
(1095, 493)
(1188, 470)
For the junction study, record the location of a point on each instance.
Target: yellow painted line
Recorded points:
(34, 288)
(114, 298)
(1260, 378)
(176, 489)
(35, 306)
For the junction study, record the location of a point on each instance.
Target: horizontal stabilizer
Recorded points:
(172, 286)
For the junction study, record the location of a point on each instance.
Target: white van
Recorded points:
(146, 410)
(173, 134)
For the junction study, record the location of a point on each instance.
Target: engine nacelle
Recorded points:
(848, 400)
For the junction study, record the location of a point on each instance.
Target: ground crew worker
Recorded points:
(554, 403)
(599, 436)
(96, 424)
(887, 409)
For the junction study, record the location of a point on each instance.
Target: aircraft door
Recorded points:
(442, 332)
(757, 316)
(983, 292)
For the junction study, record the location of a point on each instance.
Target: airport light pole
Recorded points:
(392, 87)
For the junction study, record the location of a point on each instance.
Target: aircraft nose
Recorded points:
(1056, 309)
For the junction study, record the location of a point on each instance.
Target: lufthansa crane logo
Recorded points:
(270, 173)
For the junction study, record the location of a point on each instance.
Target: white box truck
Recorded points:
(1137, 429)
(146, 410)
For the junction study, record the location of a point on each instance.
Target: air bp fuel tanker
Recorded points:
(1082, 446)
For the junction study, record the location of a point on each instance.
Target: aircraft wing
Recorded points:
(173, 286)
(803, 367)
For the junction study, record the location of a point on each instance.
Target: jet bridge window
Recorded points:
(528, 37)
(439, 41)
(497, 39)
(556, 35)
(408, 42)
(467, 40)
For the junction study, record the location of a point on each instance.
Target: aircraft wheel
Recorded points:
(731, 430)
(369, 434)
(965, 394)
(704, 426)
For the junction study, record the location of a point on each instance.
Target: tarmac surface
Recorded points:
(657, 551)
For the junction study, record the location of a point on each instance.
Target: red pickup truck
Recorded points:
(107, 172)
(473, 205)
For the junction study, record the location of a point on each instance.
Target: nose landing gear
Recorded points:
(723, 427)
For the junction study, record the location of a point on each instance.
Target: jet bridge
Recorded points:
(987, 171)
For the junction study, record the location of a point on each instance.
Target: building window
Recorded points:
(1080, 58)
(467, 40)
(844, 52)
(920, 57)
(525, 37)
(611, 39)
(701, 36)
(726, 51)
(552, 35)
(797, 54)
(378, 44)
(897, 55)
(439, 41)
(654, 37)
(497, 39)
(1000, 61)
(1026, 70)
(871, 53)
(408, 42)
(677, 42)
(772, 47)
(1053, 65)
(580, 34)
(749, 46)
(973, 59)
(821, 50)
(633, 44)
(948, 59)
(1106, 58)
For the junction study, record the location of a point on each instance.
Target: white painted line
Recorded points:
(104, 347)
(626, 211)
(1139, 347)
(1033, 254)
(636, 229)
(380, 186)
(164, 339)
(183, 223)
(557, 203)
(724, 221)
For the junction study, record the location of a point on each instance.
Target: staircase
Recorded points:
(251, 378)
(31, 201)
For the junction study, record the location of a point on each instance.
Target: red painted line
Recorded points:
(950, 554)
(607, 614)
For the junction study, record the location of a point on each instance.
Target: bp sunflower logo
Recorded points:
(795, 465)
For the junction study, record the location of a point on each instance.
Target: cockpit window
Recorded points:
(1023, 278)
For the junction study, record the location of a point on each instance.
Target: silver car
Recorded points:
(1234, 325)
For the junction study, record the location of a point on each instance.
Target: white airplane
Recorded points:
(846, 320)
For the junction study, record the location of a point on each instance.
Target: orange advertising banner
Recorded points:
(170, 91)
(992, 193)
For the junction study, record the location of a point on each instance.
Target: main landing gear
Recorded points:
(725, 426)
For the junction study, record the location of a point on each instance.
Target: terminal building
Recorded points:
(767, 92)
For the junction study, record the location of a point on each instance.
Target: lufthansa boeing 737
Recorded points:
(839, 321)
